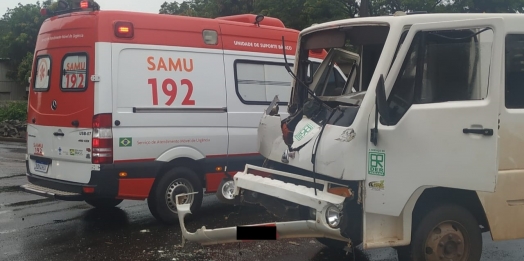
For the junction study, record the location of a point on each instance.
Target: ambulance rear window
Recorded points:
(74, 72)
(43, 71)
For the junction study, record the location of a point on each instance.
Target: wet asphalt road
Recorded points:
(37, 228)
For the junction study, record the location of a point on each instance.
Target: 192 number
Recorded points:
(170, 89)
(74, 80)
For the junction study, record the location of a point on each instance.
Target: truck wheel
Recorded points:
(179, 180)
(448, 232)
(104, 202)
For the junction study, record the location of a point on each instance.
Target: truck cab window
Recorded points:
(328, 80)
(514, 71)
(443, 66)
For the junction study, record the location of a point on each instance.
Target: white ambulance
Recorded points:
(126, 105)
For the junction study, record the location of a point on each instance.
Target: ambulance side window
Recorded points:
(514, 71)
(258, 82)
(74, 72)
(443, 66)
(43, 73)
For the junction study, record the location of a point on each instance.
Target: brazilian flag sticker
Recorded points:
(125, 142)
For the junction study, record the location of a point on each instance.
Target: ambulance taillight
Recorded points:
(102, 143)
(124, 30)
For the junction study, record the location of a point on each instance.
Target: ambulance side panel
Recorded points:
(255, 79)
(168, 99)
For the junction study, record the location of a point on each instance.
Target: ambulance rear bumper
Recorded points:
(300, 195)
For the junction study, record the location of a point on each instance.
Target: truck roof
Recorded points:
(513, 21)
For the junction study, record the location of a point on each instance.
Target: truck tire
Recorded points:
(161, 201)
(104, 202)
(455, 235)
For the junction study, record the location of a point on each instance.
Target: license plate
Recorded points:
(41, 167)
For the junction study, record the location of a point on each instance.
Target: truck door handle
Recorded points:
(485, 132)
(59, 134)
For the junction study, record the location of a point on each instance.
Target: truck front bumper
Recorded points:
(300, 195)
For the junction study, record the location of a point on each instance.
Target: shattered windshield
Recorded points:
(353, 53)
(325, 80)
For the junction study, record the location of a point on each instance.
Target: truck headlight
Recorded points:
(333, 216)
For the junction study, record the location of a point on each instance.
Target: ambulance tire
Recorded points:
(104, 203)
(459, 234)
(161, 199)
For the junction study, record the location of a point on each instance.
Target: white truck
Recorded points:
(424, 157)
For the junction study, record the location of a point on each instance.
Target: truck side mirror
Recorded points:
(382, 108)
(381, 102)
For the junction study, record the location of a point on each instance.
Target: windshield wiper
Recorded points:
(296, 78)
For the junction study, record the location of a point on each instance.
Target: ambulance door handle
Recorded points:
(485, 132)
(59, 134)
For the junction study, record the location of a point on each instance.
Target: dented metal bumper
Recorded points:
(301, 195)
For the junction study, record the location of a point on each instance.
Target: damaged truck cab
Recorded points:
(417, 150)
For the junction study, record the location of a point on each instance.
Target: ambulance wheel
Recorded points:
(225, 192)
(179, 180)
(448, 232)
(104, 202)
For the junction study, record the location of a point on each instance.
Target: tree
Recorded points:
(299, 14)
(18, 35)
(19, 29)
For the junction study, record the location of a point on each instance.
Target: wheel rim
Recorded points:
(177, 187)
(228, 190)
(447, 241)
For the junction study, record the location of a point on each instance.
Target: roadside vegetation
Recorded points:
(13, 111)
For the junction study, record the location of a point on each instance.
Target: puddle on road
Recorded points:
(12, 176)
(10, 189)
(30, 202)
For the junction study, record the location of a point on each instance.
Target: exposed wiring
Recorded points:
(315, 148)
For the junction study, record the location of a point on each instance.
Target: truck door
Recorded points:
(443, 104)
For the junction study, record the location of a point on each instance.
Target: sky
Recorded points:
(149, 6)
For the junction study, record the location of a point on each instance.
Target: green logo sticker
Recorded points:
(126, 142)
(307, 129)
(377, 163)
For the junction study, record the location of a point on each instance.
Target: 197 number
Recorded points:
(170, 89)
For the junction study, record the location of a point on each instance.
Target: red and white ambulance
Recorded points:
(127, 105)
